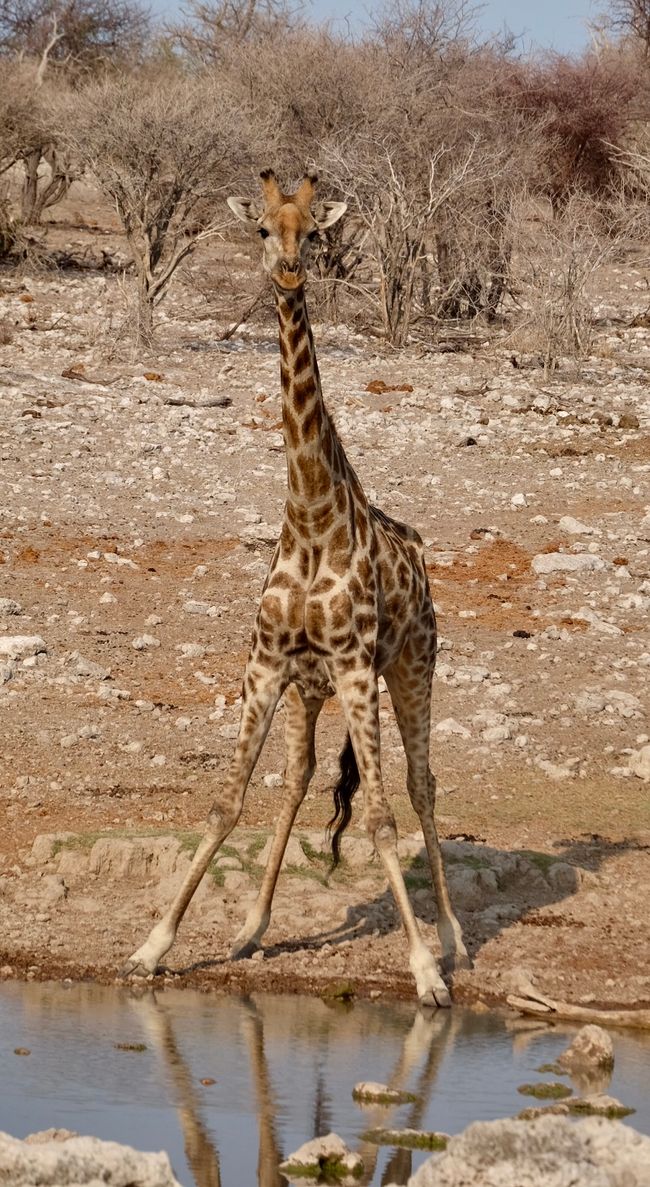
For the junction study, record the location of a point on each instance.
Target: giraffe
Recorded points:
(346, 599)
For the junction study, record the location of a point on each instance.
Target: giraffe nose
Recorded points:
(290, 265)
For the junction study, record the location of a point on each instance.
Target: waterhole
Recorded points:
(229, 1086)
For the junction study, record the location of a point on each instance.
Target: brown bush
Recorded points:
(164, 149)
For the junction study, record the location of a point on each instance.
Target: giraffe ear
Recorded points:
(245, 210)
(328, 213)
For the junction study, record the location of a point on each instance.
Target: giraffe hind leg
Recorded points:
(409, 684)
(358, 694)
(300, 728)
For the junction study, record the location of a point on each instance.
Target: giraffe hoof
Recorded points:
(133, 968)
(435, 999)
(245, 950)
(138, 966)
(455, 963)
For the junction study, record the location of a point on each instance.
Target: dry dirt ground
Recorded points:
(137, 519)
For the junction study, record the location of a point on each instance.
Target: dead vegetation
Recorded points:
(485, 189)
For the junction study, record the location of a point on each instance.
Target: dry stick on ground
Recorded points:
(529, 1000)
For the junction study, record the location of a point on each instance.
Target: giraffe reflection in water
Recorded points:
(425, 1045)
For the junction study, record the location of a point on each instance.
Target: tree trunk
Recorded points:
(29, 197)
(144, 328)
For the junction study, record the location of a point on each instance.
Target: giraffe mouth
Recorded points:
(289, 280)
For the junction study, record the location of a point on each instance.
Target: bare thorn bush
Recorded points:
(558, 263)
(164, 149)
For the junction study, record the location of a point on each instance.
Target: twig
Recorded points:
(244, 316)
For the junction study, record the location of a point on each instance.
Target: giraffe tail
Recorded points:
(343, 794)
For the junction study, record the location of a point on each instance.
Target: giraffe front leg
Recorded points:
(262, 689)
(358, 694)
(301, 718)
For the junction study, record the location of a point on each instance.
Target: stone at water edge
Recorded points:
(80, 1162)
(592, 1049)
(368, 1091)
(549, 1151)
(327, 1154)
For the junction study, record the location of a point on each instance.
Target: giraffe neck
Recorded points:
(316, 463)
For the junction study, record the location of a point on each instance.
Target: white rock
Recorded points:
(312, 1156)
(548, 1152)
(273, 780)
(639, 763)
(596, 621)
(574, 527)
(567, 562)
(451, 726)
(193, 607)
(519, 500)
(191, 650)
(144, 642)
(294, 854)
(21, 646)
(590, 701)
(592, 1049)
(624, 703)
(81, 1162)
(553, 770)
(497, 733)
(9, 606)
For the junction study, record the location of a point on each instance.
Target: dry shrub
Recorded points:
(75, 37)
(558, 261)
(164, 149)
(584, 106)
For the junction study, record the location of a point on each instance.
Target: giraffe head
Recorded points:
(287, 225)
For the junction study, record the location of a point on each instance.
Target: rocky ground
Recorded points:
(141, 494)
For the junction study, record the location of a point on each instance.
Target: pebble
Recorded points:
(573, 527)
(9, 606)
(451, 726)
(144, 642)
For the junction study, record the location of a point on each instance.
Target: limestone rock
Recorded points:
(367, 1091)
(9, 606)
(639, 763)
(21, 646)
(548, 1152)
(294, 854)
(328, 1153)
(80, 1162)
(566, 562)
(592, 1048)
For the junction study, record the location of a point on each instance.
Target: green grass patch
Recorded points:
(584, 1108)
(384, 1098)
(543, 861)
(326, 1170)
(411, 1139)
(546, 1091)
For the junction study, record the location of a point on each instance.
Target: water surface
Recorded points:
(284, 1069)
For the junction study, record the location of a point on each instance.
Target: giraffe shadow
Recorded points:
(491, 891)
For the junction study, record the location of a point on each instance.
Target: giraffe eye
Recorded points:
(313, 235)
(263, 232)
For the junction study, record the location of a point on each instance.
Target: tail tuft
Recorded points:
(343, 795)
